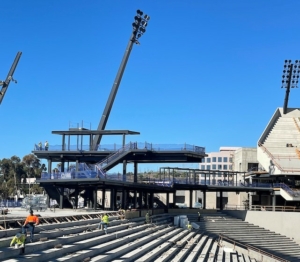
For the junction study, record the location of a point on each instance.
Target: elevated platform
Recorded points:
(135, 151)
(133, 155)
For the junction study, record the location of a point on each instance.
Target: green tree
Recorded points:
(33, 166)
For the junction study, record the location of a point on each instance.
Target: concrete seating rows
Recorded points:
(67, 234)
(248, 234)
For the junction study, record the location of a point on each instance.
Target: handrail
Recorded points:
(113, 156)
(287, 189)
(263, 208)
(249, 247)
(270, 155)
(296, 124)
(275, 208)
(275, 163)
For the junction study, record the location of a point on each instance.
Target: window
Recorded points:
(202, 175)
(208, 167)
(219, 159)
(214, 167)
(230, 167)
(225, 167)
(214, 159)
(208, 160)
(203, 160)
(225, 159)
(230, 159)
(203, 167)
(219, 167)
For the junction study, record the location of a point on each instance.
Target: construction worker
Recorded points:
(30, 223)
(105, 221)
(189, 227)
(199, 216)
(122, 213)
(19, 241)
(46, 145)
(40, 146)
(147, 218)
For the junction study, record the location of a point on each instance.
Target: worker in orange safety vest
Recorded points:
(30, 223)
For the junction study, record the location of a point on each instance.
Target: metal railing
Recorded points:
(116, 147)
(273, 157)
(286, 188)
(270, 156)
(101, 165)
(249, 248)
(263, 208)
(275, 208)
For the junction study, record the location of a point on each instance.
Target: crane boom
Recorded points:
(9, 77)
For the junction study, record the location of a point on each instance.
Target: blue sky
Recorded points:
(207, 73)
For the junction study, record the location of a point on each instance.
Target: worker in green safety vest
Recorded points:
(189, 227)
(147, 218)
(19, 241)
(105, 222)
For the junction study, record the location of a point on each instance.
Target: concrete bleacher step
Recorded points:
(212, 254)
(36, 250)
(179, 241)
(158, 252)
(52, 233)
(205, 251)
(195, 251)
(180, 254)
(154, 248)
(249, 234)
(78, 251)
(45, 227)
(110, 251)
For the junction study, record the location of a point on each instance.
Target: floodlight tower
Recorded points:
(9, 77)
(290, 79)
(139, 28)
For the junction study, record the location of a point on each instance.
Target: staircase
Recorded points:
(248, 234)
(112, 159)
(278, 146)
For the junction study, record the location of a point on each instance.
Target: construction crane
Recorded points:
(9, 77)
(139, 28)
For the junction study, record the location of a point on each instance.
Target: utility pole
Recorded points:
(139, 28)
(289, 79)
(9, 77)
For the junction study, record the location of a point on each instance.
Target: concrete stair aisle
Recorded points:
(246, 233)
(71, 236)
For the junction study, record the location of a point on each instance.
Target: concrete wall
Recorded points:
(285, 223)
(237, 199)
(242, 157)
(211, 200)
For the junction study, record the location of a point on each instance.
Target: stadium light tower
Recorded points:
(290, 79)
(139, 28)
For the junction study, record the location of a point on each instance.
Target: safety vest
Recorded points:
(32, 219)
(40, 144)
(18, 240)
(147, 217)
(46, 144)
(105, 219)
